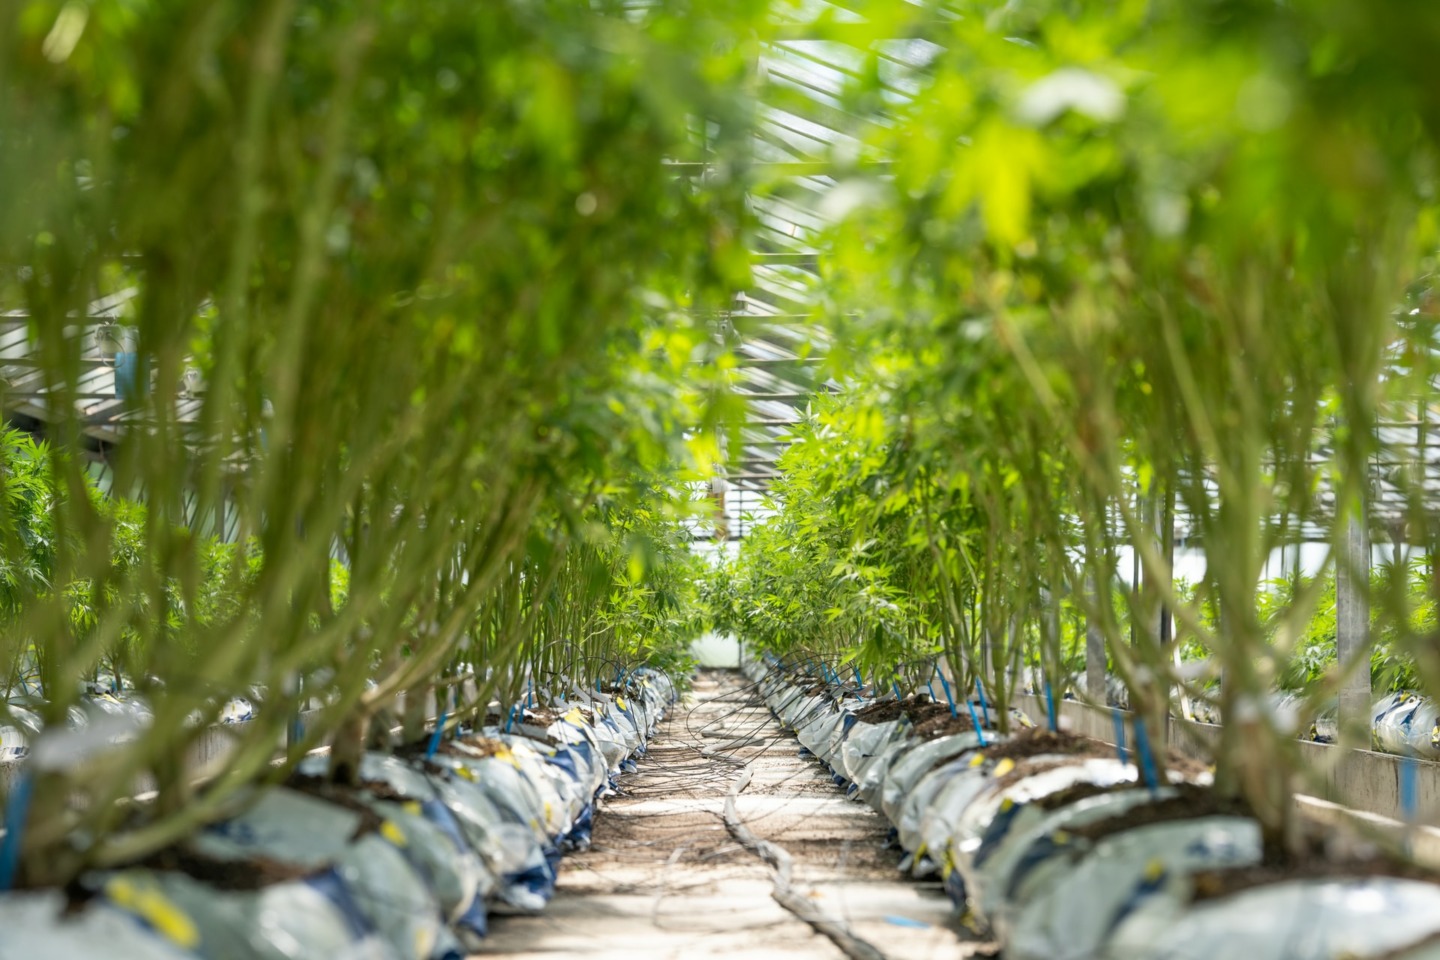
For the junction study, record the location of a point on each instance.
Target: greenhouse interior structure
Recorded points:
(892, 479)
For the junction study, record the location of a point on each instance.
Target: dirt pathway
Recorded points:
(665, 879)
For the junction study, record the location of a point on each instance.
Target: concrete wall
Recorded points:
(1359, 779)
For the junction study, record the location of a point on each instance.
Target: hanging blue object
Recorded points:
(434, 744)
(1050, 706)
(984, 707)
(131, 377)
(1147, 758)
(859, 678)
(1119, 719)
(1408, 788)
(16, 811)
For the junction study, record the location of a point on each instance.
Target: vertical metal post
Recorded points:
(1095, 653)
(1352, 622)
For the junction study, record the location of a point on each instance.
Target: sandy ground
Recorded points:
(664, 878)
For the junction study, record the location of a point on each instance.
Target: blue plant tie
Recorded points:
(1119, 719)
(16, 811)
(950, 699)
(510, 721)
(896, 687)
(975, 722)
(859, 678)
(1050, 705)
(984, 707)
(1147, 757)
(435, 737)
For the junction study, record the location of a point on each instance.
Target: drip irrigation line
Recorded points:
(707, 779)
(784, 893)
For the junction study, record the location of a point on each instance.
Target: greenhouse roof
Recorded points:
(805, 136)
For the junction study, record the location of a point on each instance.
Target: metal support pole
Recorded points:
(1352, 623)
(1095, 662)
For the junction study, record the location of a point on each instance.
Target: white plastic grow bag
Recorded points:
(1000, 808)
(506, 787)
(865, 743)
(1291, 920)
(505, 846)
(1408, 728)
(935, 803)
(1002, 879)
(302, 831)
(908, 767)
(32, 927)
(817, 730)
(1068, 917)
(287, 921)
(871, 780)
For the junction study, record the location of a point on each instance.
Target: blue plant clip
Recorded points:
(16, 812)
(975, 722)
(434, 744)
(950, 699)
(1147, 758)
(1119, 720)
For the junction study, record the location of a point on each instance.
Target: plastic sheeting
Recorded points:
(1292, 920)
(400, 869)
(33, 926)
(1070, 916)
(285, 921)
(1407, 724)
(1009, 837)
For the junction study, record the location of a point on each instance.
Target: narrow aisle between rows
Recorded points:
(665, 878)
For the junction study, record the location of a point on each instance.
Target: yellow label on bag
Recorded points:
(1003, 767)
(156, 909)
(391, 831)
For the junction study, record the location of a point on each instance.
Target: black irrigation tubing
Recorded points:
(796, 902)
(784, 893)
(671, 772)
